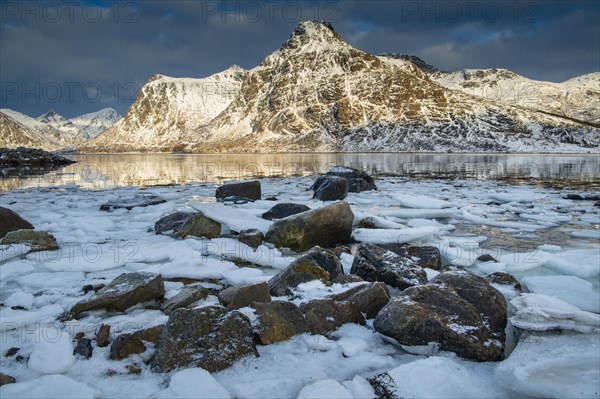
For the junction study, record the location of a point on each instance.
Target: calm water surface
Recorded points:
(106, 171)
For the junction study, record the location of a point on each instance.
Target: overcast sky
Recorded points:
(76, 56)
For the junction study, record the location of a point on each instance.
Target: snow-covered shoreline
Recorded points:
(98, 246)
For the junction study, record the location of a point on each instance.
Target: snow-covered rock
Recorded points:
(53, 352)
(194, 383)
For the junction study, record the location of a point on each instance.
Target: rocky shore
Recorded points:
(217, 283)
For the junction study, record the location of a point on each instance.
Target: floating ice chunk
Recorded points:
(586, 234)
(552, 366)
(195, 383)
(418, 213)
(16, 319)
(523, 196)
(479, 220)
(539, 312)
(584, 263)
(571, 289)
(522, 261)
(379, 222)
(550, 248)
(325, 389)
(47, 387)
(245, 275)
(386, 236)
(53, 351)
(420, 201)
(19, 298)
(420, 222)
(208, 268)
(443, 377)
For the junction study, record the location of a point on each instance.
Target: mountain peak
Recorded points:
(308, 33)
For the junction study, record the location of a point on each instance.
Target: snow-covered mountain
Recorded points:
(52, 131)
(94, 123)
(318, 93)
(577, 98)
(167, 109)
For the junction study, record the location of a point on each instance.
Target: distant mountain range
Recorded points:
(52, 131)
(318, 93)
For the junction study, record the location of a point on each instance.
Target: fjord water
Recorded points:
(106, 171)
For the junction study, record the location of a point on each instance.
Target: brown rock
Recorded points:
(242, 296)
(278, 321)
(324, 316)
(11, 221)
(251, 237)
(102, 336)
(369, 298)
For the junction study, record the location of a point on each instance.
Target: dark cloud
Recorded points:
(78, 56)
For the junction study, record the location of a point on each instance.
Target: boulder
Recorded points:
(133, 202)
(198, 225)
(6, 379)
(184, 298)
(278, 321)
(246, 189)
(458, 312)
(426, 256)
(284, 210)
(369, 298)
(330, 188)
(326, 226)
(298, 272)
(503, 278)
(357, 179)
(11, 221)
(324, 316)
(251, 237)
(374, 263)
(103, 335)
(172, 222)
(84, 348)
(129, 344)
(126, 345)
(37, 240)
(327, 260)
(126, 290)
(242, 296)
(209, 337)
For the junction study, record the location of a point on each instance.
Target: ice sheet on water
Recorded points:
(387, 236)
(420, 201)
(13, 319)
(571, 289)
(446, 377)
(47, 387)
(583, 233)
(584, 263)
(539, 312)
(553, 366)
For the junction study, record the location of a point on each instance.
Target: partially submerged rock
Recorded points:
(11, 221)
(284, 210)
(6, 379)
(208, 337)
(374, 263)
(326, 226)
(278, 321)
(133, 202)
(357, 179)
(172, 222)
(456, 312)
(245, 189)
(125, 291)
(330, 188)
(184, 298)
(36, 240)
(198, 225)
(245, 295)
(368, 298)
(324, 316)
(251, 237)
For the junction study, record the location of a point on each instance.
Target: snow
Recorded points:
(539, 312)
(386, 236)
(52, 353)
(446, 377)
(571, 289)
(194, 383)
(552, 366)
(325, 389)
(47, 387)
